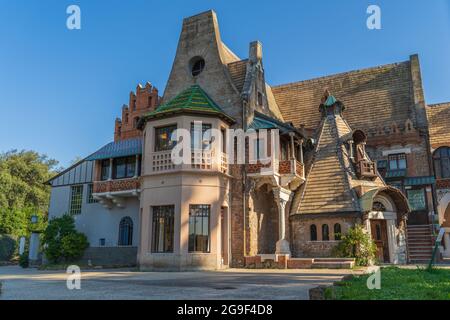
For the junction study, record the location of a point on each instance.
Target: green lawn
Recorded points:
(398, 284)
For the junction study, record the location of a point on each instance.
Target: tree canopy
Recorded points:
(22, 189)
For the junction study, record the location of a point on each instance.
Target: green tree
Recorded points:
(357, 244)
(22, 189)
(62, 241)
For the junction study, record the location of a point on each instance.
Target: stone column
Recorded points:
(291, 135)
(282, 196)
(301, 151)
(350, 147)
(447, 245)
(110, 168)
(136, 169)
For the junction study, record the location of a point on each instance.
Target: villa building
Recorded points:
(359, 147)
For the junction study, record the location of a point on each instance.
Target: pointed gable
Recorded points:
(330, 174)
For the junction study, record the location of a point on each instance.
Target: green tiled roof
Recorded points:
(415, 181)
(192, 100)
(262, 121)
(330, 101)
(396, 173)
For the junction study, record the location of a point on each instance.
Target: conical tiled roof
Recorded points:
(191, 100)
(330, 175)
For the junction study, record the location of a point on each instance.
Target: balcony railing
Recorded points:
(285, 167)
(120, 185)
(366, 169)
(200, 160)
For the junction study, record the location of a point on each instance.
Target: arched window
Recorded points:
(313, 232)
(337, 231)
(441, 159)
(126, 232)
(325, 233)
(378, 206)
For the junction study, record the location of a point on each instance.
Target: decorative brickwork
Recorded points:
(144, 100)
(116, 185)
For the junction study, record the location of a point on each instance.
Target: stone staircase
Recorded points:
(333, 263)
(420, 243)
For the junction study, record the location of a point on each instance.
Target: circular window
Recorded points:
(196, 65)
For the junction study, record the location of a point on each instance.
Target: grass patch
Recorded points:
(398, 284)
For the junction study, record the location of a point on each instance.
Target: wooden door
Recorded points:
(379, 236)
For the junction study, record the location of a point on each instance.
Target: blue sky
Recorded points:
(60, 90)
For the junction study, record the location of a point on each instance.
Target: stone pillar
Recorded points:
(33, 254)
(301, 151)
(110, 169)
(136, 170)
(282, 197)
(350, 147)
(291, 135)
(447, 245)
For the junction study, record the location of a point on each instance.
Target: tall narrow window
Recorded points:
(163, 140)
(313, 232)
(201, 138)
(126, 232)
(416, 199)
(337, 232)
(90, 198)
(104, 170)
(441, 159)
(325, 233)
(76, 199)
(163, 219)
(199, 227)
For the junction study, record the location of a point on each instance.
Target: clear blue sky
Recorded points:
(61, 90)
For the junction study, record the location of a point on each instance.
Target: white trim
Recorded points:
(395, 151)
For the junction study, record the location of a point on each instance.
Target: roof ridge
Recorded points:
(394, 64)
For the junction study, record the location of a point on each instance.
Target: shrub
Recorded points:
(62, 241)
(73, 246)
(23, 260)
(357, 244)
(8, 245)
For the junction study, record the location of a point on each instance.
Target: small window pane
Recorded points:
(90, 198)
(76, 199)
(416, 199)
(105, 170)
(337, 231)
(313, 232)
(163, 228)
(325, 233)
(163, 136)
(199, 228)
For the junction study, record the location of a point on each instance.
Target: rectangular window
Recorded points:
(199, 227)
(416, 199)
(163, 140)
(76, 199)
(397, 161)
(124, 167)
(163, 233)
(90, 198)
(204, 139)
(104, 170)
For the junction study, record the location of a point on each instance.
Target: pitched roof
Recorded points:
(237, 71)
(330, 175)
(373, 97)
(438, 123)
(117, 149)
(191, 100)
(262, 121)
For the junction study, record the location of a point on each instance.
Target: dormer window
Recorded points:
(260, 99)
